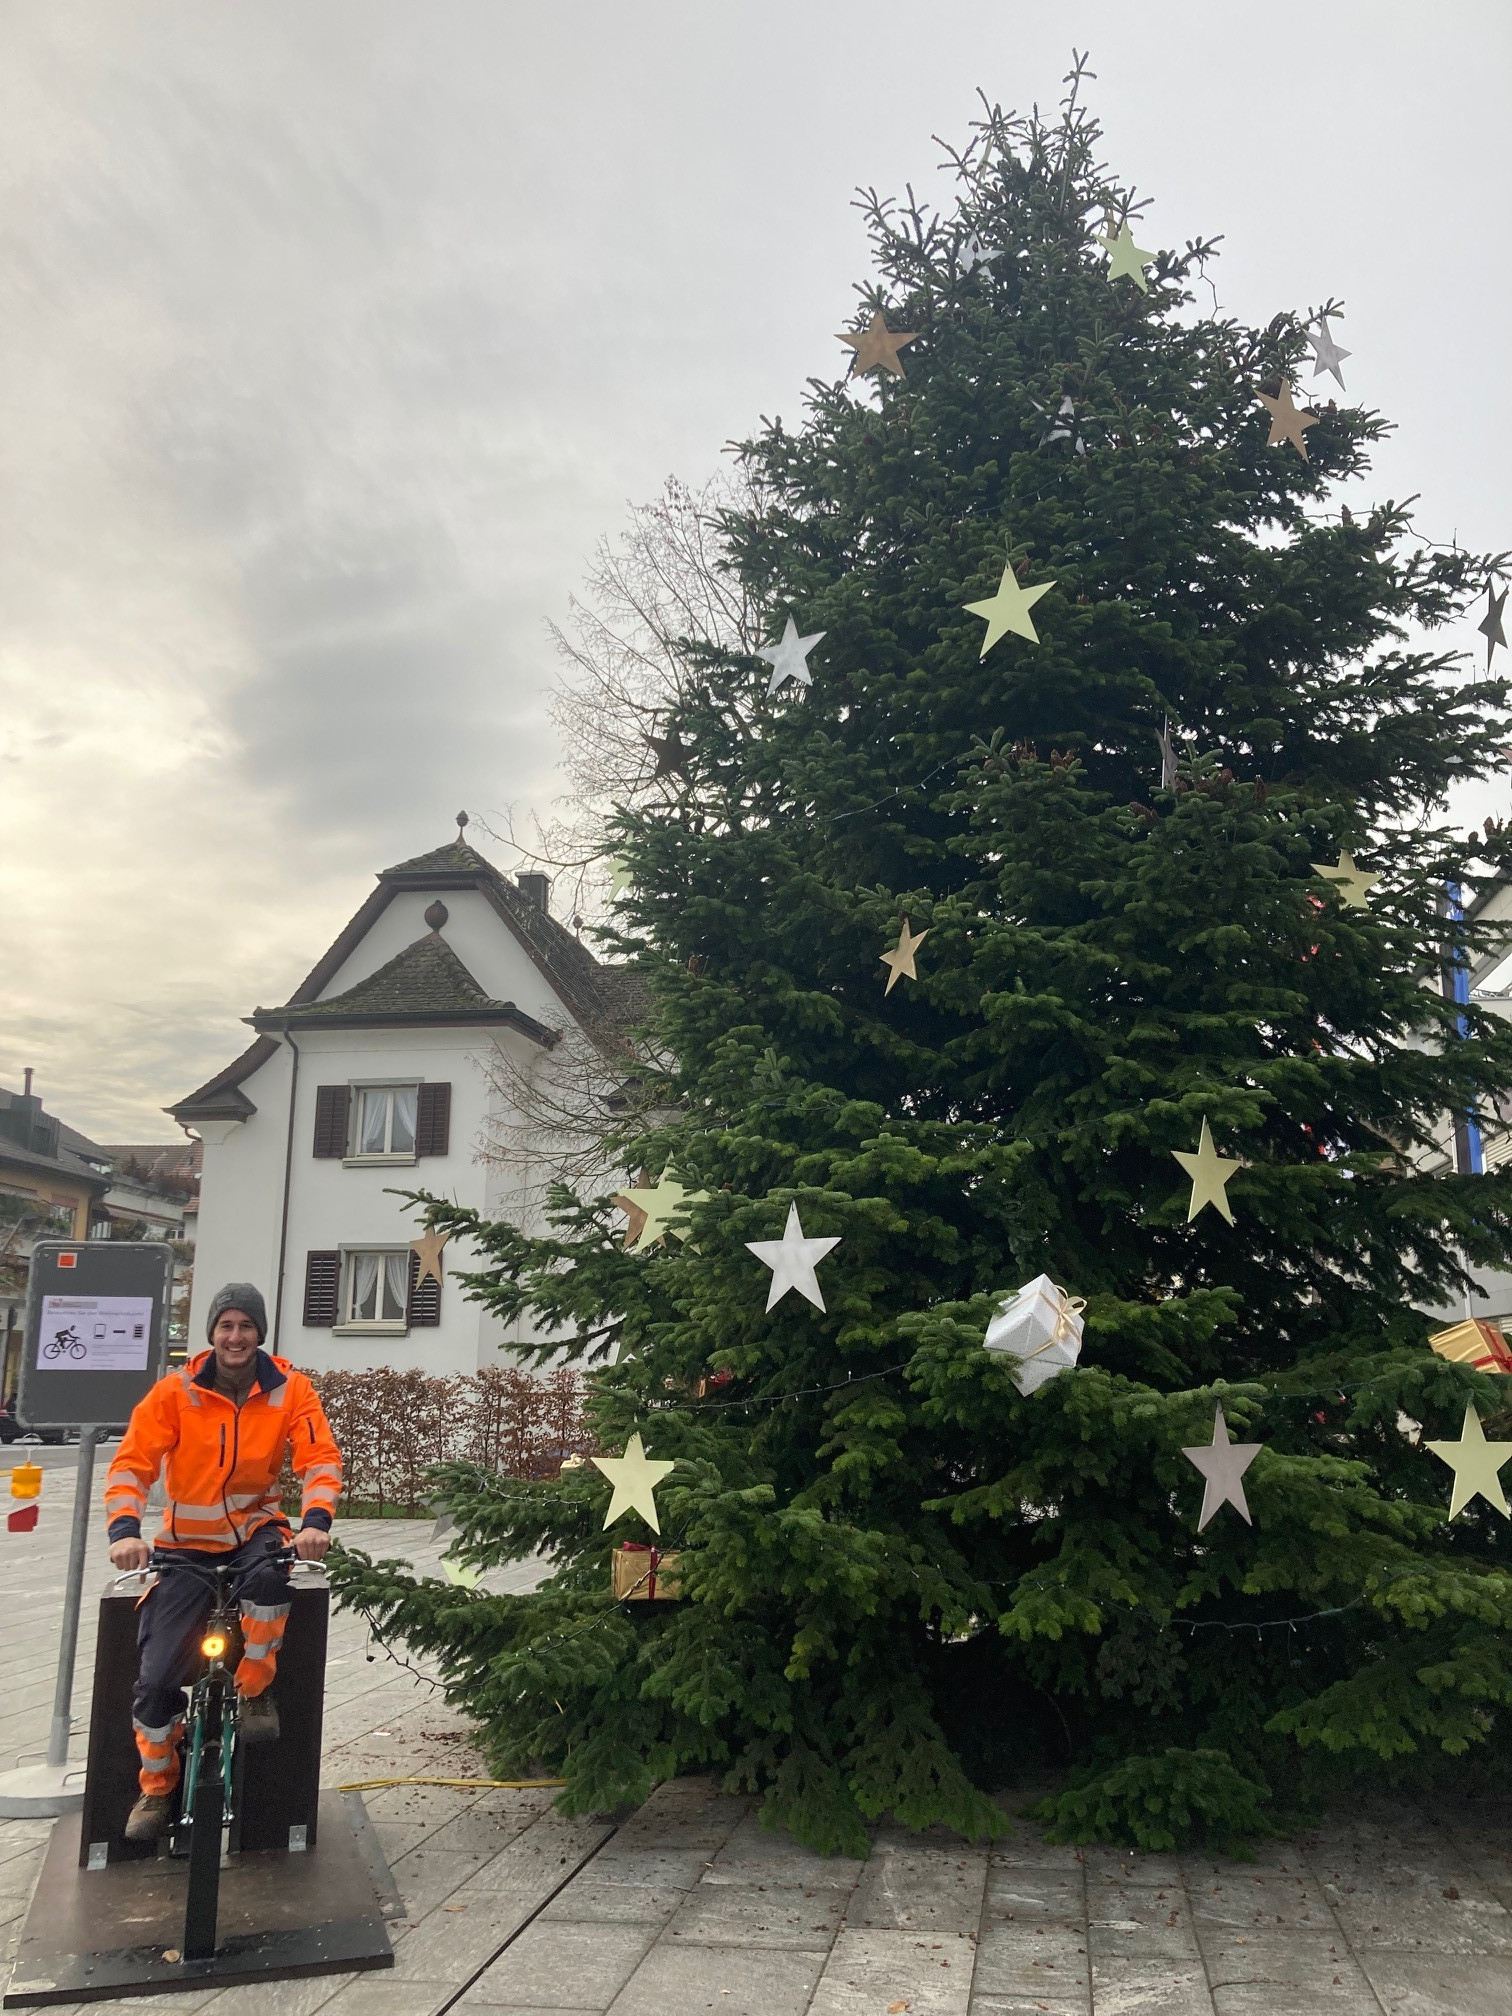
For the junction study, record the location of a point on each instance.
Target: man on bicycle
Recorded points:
(223, 1423)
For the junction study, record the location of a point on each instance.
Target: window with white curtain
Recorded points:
(383, 1120)
(375, 1286)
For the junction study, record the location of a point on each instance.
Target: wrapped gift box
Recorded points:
(645, 1574)
(1041, 1327)
(1476, 1343)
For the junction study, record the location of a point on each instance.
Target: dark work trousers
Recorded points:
(171, 1618)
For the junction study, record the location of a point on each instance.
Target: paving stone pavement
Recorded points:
(689, 1905)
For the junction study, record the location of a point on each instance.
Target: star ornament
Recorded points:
(1125, 258)
(788, 658)
(1475, 1462)
(1168, 777)
(792, 1259)
(635, 1477)
(1490, 625)
(671, 756)
(427, 1249)
(1008, 610)
(1288, 422)
(656, 1206)
(1210, 1173)
(1223, 1464)
(876, 347)
(620, 877)
(973, 253)
(1352, 883)
(1327, 356)
(900, 960)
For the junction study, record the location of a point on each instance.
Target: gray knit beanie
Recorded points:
(239, 1295)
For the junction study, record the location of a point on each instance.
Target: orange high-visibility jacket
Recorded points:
(223, 1461)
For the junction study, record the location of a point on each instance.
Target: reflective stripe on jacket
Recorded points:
(222, 1461)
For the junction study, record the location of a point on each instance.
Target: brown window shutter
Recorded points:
(332, 1105)
(424, 1310)
(322, 1290)
(433, 1120)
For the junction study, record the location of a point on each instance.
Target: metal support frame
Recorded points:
(42, 1791)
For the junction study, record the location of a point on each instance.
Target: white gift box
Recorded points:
(1041, 1326)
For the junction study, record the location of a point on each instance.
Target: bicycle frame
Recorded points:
(206, 1805)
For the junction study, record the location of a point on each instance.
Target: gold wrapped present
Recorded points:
(1474, 1342)
(645, 1574)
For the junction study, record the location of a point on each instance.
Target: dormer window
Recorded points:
(383, 1120)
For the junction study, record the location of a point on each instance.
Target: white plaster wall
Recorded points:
(330, 1205)
(241, 1191)
(477, 934)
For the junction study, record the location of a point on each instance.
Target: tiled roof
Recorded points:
(455, 858)
(426, 978)
(77, 1155)
(607, 1001)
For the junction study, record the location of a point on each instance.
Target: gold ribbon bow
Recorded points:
(1070, 1305)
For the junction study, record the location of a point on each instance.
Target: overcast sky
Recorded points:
(332, 337)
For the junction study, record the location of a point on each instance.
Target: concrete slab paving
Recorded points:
(690, 1980)
(691, 1905)
(563, 1966)
(867, 1972)
(771, 1915)
(907, 1887)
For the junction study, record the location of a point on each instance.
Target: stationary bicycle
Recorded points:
(206, 1807)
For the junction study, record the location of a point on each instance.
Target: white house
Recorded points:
(380, 1073)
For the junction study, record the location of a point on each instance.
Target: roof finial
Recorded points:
(461, 827)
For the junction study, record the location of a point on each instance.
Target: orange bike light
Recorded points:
(213, 1646)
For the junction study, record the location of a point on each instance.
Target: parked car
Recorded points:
(10, 1427)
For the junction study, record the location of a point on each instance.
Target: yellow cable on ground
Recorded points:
(460, 1784)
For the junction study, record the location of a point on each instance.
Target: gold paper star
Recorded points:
(1352, 883)
(1475, 1462)
(671, 756)
(656, 1208)
(1008, 610)
(901, 957)
(620, 878)
(876, 347)
(427, 1250)
(1127, 258)
(1210, 1173)
(460, 1577)
(1288, 422)
(635, 1478)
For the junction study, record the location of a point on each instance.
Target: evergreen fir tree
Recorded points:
(900, 1578)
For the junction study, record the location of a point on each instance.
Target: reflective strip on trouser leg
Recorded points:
(262, 1635)
(158, 1751)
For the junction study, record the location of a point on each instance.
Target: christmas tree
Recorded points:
(1201, 684)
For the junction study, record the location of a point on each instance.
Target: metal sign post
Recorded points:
(96, 1343)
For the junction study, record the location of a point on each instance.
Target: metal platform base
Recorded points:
(281, 1915)
(41, 1791)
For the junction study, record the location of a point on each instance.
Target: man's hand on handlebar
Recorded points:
(310, 1544)
(129, 1554)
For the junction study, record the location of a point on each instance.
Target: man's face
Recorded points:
(234, 1341)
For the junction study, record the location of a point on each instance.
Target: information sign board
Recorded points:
(96, 1330)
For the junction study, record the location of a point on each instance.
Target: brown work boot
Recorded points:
(149, 1817)
(259, 1719)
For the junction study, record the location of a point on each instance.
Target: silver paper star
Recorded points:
(1063, 427)
(792, 1259)
(788, 658)
(1167, 757)
(1223, 1464)
(972, 253)
(1490, 625)
(1327, 356)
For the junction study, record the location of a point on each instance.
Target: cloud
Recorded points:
(332, 339)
